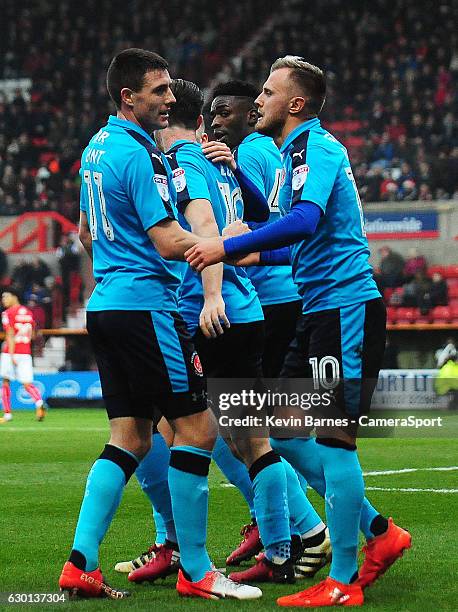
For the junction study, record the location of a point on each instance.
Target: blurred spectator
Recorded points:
(391, 268)
(415, 263)
(68, 255)
(438, 290)
(417, 292)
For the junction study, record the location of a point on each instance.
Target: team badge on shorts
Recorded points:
(299, 176)
(195, 360)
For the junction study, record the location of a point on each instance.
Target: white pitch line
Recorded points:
(410, 470)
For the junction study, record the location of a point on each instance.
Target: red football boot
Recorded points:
(215, 585)
(329, 592)
(266, 571)
(381, 552)
(166, 561)
(250, 546)
(87, 584)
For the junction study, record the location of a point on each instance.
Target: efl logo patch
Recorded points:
(195, 360)
(162, 186)
(299, 176)
(179, 179)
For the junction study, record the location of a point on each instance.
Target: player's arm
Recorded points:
(256, 207)
(199, 214)
(10, 341)
(298, 224)
(85, 233)
(171, 240)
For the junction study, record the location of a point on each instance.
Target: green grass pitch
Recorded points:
(42, 477)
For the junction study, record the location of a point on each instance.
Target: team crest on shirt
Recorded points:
(195, 360)
(162, 186)
(179, 179)
(299, 176)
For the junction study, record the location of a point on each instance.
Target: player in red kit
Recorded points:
(16, 359)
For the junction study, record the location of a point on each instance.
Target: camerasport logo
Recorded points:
(195, 360)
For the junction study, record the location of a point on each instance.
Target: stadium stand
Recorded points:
(400, 126)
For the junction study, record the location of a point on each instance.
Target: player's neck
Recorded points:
(290, 125)
(168, 137)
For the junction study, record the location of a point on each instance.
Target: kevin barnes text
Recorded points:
(307, 420)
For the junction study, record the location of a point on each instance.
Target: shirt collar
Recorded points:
(300, 129)
(129, 125)
(251, 137)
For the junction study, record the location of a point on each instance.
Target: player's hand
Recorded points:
(219, 152)
(213, 317)
(205, 253)
(236, 228)
(204, 138)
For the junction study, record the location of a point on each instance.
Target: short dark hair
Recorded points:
(128, 69)
(310, 78)
(188, 105)
(236, 88)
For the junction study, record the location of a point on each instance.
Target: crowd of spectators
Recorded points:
(389, 63)
(406, 282)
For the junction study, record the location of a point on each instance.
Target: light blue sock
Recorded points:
(368, 514)
(271, 504)
(153, 474)
(302, 513)
(188, 482)
(235, 471)
(304, 456)
(344, 498)
(104, 487)
(161, 530)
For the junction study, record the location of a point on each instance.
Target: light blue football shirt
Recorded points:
(259, 158)
(194, 177)
(125, 192)
(331, 268)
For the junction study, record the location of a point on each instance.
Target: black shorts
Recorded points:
(341, 350)
(235, 354)
(147, 363)
(280, 325)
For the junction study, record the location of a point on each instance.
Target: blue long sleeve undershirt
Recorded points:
(299, 223)
(256, 207)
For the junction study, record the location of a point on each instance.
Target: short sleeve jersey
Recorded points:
(194, 177)
(20, 319)
(331, 268)
(259, 158)
(125, 192)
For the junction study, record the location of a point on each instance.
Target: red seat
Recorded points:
(453, 291)
(440, 269)
(441, 314)
(425, 318)
(407, 315)
(454, 310)
(452, 282)
(451, 272)
(391, 314)
(387, 293)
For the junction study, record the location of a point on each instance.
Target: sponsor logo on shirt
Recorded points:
(179, 179)
(299, 176)
(162, 186)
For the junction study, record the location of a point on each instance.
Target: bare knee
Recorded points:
(131, 434)
(251, 449)
(199, 430)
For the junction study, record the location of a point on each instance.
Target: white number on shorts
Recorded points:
(106, 225)
(322, 378)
